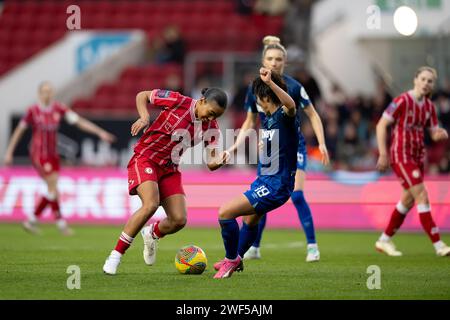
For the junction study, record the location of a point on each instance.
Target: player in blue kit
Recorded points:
(276, 172)
(274, 57)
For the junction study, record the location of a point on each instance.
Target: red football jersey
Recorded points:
(411, 117)
(44, 122)
(176, 122)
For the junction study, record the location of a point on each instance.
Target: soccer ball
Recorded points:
(191, 260)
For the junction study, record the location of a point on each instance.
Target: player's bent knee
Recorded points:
(149, 209)
(223, 213)
(179, 223)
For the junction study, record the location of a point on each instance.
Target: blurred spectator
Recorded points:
(173, 83)
(442, 102)
(303, 76)
(244, 7)
(171, 48)
(271, 7)
(202, 82)
(308, 131)
(380, 101)
(349, 148)
(337, 96)
(237, 107)
(331, 138)
(361, 125)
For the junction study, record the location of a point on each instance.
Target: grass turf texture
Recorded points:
(34, 267)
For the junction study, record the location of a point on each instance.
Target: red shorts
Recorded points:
(410, 174)
(46, 166)
(141, 169)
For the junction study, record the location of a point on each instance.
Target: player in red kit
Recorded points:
(44, 119)
(153, 170)
(410, 113)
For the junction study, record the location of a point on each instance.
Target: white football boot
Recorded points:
(388, 248)
(62, 226)
(112, 263)
(443, 251)
(31, 227)
(252, 253)
(313, 253)
(150, 245)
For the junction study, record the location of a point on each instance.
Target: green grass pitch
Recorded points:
(34, 267)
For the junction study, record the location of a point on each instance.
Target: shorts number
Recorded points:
(262, 191)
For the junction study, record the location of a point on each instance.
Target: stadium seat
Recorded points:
(35, 25)
(81, 104)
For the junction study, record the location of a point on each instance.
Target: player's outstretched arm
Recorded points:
(15, 138)
(317, 126)
(142, 99)
(215, 160)
(90, 127)
(285, 98)
(249, 123)
(383, 160)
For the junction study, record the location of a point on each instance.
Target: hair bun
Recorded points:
(204, 90)
(268, 40)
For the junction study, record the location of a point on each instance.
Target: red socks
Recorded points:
(41, 206)
(125, 240)
(427, 222)
(44, 203)
(124, 243)
(156, 231)
(55, 209)
(397, 218)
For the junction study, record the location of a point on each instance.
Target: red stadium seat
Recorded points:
(81, 104)
(204, 24)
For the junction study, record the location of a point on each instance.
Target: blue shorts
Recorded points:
(267, 193)
(302, 159)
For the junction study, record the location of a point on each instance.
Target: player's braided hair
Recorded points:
(217, 95)
(262, 90)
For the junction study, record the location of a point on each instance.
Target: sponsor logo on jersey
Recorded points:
(148, 170)
(268, 134)
(304, 94)
(416, 173)
(392, 107)
(163, 93)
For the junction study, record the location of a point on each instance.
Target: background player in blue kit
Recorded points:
(276, 172)
(274, 57)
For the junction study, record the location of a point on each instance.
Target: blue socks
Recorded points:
(261, 226)
(230, 236)
(247, 237)
(304, 213)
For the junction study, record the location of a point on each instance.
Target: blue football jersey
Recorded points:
(278, 157)
(294, 89)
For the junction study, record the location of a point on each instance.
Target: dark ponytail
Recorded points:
(262, 90)
(217, 95)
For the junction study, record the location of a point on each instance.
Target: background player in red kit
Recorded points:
(153, 170)
(411, 113)
(44, 118)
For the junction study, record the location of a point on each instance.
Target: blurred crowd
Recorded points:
(349, 123)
